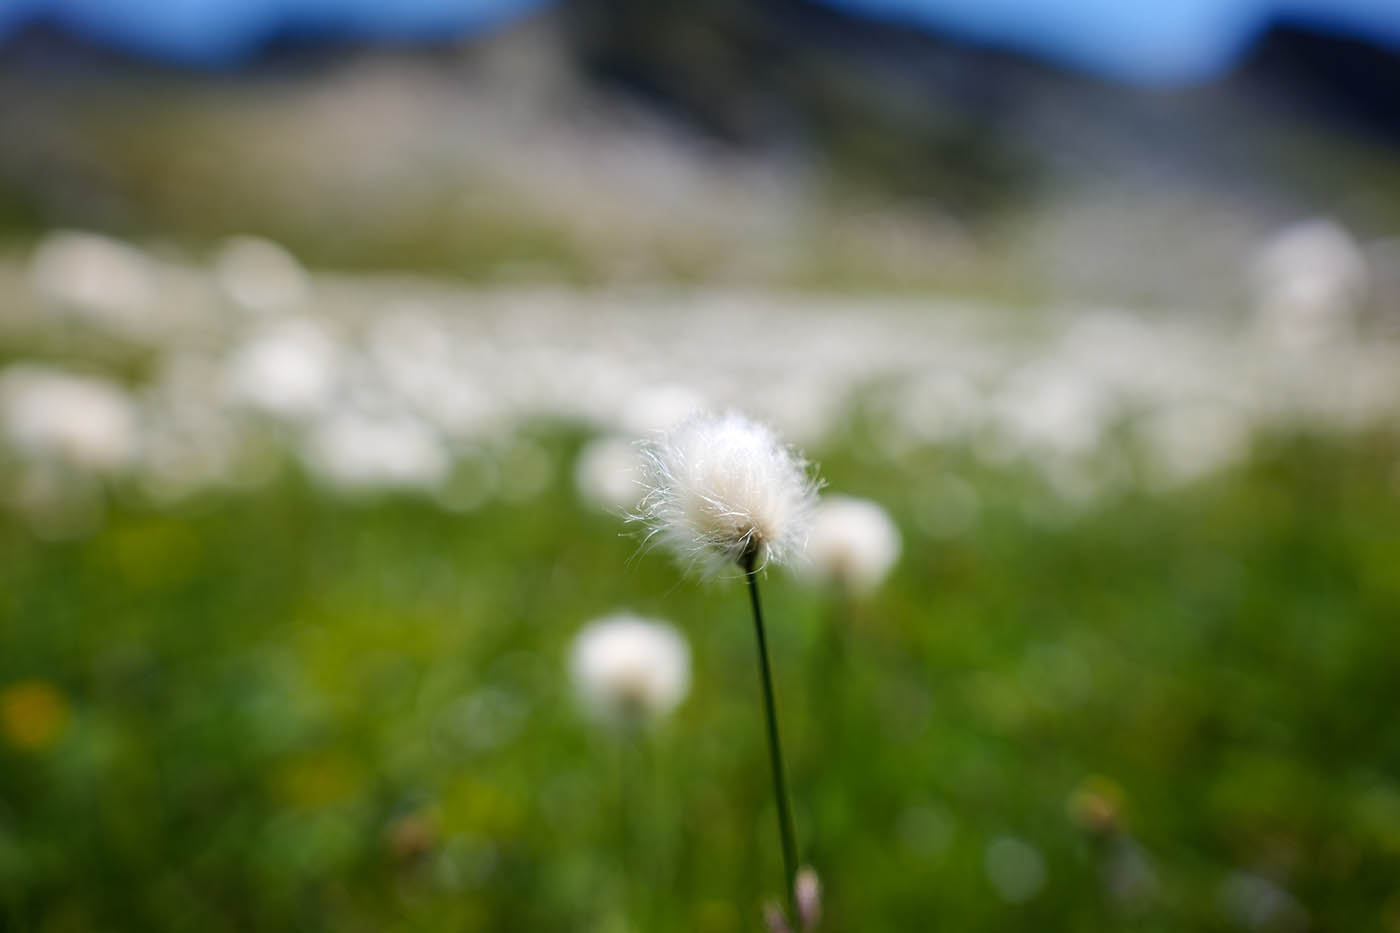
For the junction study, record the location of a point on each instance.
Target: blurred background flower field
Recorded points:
(322, 361)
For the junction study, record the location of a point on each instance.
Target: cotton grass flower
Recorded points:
(1310, 281)
(289, 370)
(260, 276)
(723, 490)
(99, 280)
(852, 542)
(629, 670)
(52, 416)
(356, 452)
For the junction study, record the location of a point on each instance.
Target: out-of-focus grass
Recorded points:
(283, 711)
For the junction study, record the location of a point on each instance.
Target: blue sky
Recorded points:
(218, 32)
(1142, 41)
(1150, 42)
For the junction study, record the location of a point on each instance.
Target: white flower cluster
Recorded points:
(251, 359)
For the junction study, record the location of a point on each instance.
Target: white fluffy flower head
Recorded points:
(627, 670)
(52, 415)
(722, 489)
(853, 542)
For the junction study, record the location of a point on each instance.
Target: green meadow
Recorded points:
(283, 710)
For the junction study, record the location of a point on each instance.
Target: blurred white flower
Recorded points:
(1256, 903)
(260, 276)
(1128, 873)
(853, 542)
(1015, 868)
(55, 416)
(608, 474)
(353, 451)
(287, 371)
(102, 280)
(1309, 281)
(628, 669)
(722, 487)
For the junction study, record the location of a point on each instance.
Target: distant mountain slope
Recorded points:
(776, 142)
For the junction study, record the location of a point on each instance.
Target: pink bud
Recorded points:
(807, 892)
(773, 918)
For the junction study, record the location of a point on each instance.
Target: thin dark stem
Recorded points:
(634, 823)
(775, 752)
